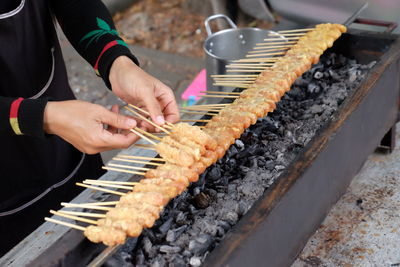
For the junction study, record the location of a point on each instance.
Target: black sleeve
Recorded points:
(89, 27)
(25, 117)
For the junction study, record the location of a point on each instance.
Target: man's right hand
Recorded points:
(82, 125)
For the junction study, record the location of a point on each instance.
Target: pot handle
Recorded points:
(216, 16)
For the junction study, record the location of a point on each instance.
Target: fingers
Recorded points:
(116, 120)
(168, 104)
(111, 141)
(115, 109)
(154, 109)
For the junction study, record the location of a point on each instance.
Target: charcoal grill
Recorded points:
(279, 224)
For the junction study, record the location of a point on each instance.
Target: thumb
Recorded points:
(154, 109)
(117, 120)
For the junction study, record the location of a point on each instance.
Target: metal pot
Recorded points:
(226, 45)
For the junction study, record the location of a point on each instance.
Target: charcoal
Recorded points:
(169, 249)
(165, 226)
(173, 234)
(195, 222)
(195, 261)
(178, 261)
(214, 173)
(201, 244)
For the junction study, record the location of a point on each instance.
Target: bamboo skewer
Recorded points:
(264, 46)
(256, 66)
(204, 109)
(129, 167)
(147, 113)
(297, 30)
(110, 185)
(233, 75)
(219, 96)
(218, 92)
(247, 70)
(140, 157)
(137, 161)
(195, 120)
(248, 65)
(268, 54)
(142, 136)
(112, 182)
(271, 50)
(289, 34)
(104, 203)
(85, 214)
(122, 170)
(148, 134)
(281, 39)
(73, 217)
(101, 189)
(146, 119)
(198, 113)
(276, 43)
(74, 226)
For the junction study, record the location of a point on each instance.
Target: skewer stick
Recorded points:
(281, 39)
(145, 146)
(271, 50)
(110, 185)
(260, 55)
(142, 136)
(111, 182)
(146, 119)
(73, 217)
(252, 70)
(140, 157)
(129, 167)
(208, 109)
(103, 203)
(297, 30)
(219, 96)
(256, 66)
(233, 75)
(147, 113)
(101, 189)
(268, 54)
(249, 65)
(276, 43)
(148, 134)
(74, 226)
(288, 46)
(86, 214)
(137, 161)
(195, 120)
(122, 170)
(231, 85)
(218, 92)
(289, 34)
(198, 113)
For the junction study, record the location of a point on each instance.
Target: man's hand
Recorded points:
(135, 86)
(82, 124)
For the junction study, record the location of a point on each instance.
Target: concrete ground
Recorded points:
(363, 228)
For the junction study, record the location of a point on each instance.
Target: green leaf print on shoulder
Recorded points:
(103, 25)
(95, 35)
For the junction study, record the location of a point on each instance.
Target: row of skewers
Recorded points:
(186, 151)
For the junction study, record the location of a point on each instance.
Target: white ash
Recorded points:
(197, 220)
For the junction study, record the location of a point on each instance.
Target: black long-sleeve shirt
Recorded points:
(90, 29)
